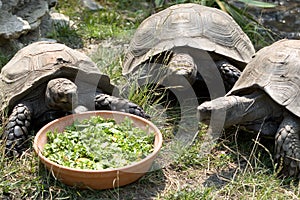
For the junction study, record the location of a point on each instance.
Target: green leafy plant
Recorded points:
(66, 34)
(98, 143)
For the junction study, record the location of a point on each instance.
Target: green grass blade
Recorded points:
(259, 4)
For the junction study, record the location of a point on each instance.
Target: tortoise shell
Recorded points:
(275, 69)
(33, 66)
(189, 25)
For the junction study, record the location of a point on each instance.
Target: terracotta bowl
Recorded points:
(97, 179)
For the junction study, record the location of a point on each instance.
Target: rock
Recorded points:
(18, 18)
(60, 19)
(12, 26)
(92, 5)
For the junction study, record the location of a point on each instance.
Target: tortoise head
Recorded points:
(182, 71)
(61, 94)
(232, 108)
(248, 109)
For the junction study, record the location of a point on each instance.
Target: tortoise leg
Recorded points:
(107, 102)
(230, 74)
(287, 146)
(16, 130)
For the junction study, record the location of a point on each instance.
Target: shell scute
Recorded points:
(27, 73)
(275, 69)
(188, 25)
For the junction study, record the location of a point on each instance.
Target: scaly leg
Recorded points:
(287, 146)
(16, 130)
(230, 74)
(107, 102)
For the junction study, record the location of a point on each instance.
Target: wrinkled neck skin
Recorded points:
(255, 107)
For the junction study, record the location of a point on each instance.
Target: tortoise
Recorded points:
(266, 99)
(171, 45)
(47, 80)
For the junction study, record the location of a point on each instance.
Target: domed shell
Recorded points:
(191, 25)
(276, 70)
(37, 63)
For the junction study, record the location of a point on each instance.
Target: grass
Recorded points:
(240, 166)
(115, 20)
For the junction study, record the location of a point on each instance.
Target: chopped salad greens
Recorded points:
(98, 143)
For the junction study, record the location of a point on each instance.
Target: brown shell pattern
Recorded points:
(276, 70)
(189, 25)
(37, 63)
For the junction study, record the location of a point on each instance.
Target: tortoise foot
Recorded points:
(16, 130)
(287, 150)
(107, 102)
(230, 74)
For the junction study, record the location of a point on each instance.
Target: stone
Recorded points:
(60, 19)
(92, 5)
(20, 18)
(12, 26)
